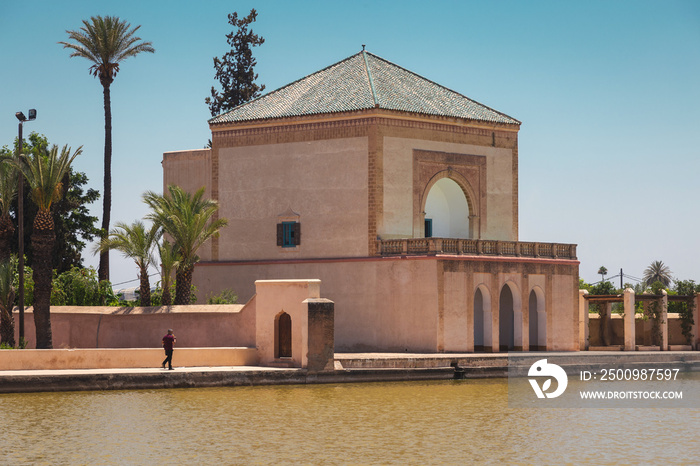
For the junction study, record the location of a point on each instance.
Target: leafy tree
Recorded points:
(235, 69)
(8, 192)
(189, 220)
(73, 222)
(603, 288)
(685, 309)
(44, 175)
(106, 41)
(7, 299)
(79, 287)
(582, 285)
(657, 271)
(227, 296)
(136, 242)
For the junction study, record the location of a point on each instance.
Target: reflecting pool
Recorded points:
(449, 422)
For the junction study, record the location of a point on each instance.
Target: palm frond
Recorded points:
(8, 185)
(134, 241)
(44, 174)
(106, 41)
(187, 218)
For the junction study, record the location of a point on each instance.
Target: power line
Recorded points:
(134, 280)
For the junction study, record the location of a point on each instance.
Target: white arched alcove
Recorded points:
(447, 208)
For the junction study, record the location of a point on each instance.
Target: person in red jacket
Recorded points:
(168, 343)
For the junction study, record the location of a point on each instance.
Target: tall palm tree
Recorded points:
(657, 272)
(7, 299)
(602, 271)
(135, 242)
(169, 260)
(188, 220)
(106, 42)
(44, 174)
(8, 191)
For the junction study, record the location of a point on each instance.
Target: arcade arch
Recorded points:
(482, 319)
(510, 318)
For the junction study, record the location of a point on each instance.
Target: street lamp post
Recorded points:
(20, 223)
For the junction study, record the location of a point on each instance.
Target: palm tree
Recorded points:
(106, 42)
(7, 299)
(135, 242)
(8, 191)
(44, 174)
(189, 221)
(657, 272)
(169, 260)
(602, 272)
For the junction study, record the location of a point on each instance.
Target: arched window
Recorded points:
(447, 210)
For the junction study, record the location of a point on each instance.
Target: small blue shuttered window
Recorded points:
(288, 234)
(428, 227)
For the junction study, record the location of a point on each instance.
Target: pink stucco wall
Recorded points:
(416, 303)
(110, 327)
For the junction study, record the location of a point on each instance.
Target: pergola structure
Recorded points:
(629, 298)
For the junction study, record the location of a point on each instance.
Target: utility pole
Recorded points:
(621, 285)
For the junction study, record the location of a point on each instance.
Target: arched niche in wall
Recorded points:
(283, 335)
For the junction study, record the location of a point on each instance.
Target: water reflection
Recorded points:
(452, 422)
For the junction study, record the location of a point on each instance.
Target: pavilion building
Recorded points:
(400, 195)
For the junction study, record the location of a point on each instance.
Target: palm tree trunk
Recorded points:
(103, 268)
(167, 298)
(7, 230)
(183, 283)
(43, 240)
(145, 290)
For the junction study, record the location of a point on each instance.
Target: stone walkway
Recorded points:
(350, 367)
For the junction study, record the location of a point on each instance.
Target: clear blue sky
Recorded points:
(608, 93)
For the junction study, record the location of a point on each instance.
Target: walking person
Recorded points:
(168, 343)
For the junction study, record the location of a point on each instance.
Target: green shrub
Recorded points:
(227, 296)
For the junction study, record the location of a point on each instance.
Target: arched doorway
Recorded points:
(538, 321)
(506, 320)
(446, 210)
(482, 320)
(283, 336)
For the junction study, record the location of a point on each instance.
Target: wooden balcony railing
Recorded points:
(474, 247)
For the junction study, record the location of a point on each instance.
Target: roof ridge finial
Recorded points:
(363, 47)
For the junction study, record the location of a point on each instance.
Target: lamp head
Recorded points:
(20, 116)
(32, 114)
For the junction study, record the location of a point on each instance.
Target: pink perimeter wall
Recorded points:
(197, 326)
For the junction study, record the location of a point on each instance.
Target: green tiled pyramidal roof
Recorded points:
(362, 81)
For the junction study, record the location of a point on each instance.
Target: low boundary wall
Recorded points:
(195, 326)
(120, 358)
